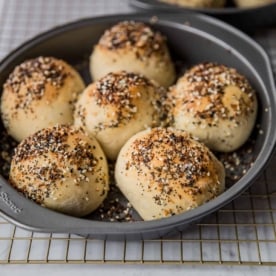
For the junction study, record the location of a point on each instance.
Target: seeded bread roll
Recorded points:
(197, 3)
(252, 3)
(164, 172)
(214, 103)
(134, 47)
(61, 168)
(116, 107)
(39, 93)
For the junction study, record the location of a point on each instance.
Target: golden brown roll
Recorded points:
(61, 168)
(117, 106)
(197, 3)
(133, 47)
(214, 103)
(252, 3)
(164, 172)
(39, 93)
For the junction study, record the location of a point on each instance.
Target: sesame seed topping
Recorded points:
(115, 88)
(204, 92)
(168, 159)
(123, 212)
(122, 91)
(122, 208)
(34, 74)
(53, 155)
(136, 36)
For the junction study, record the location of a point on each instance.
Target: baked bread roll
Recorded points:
(164, 172)
(197, 3)
(214, 103)
(61, 168)
(116, 107)
(133, 47)
(39, 93)
(252, 3)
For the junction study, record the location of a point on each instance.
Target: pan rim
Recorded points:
(142, 226)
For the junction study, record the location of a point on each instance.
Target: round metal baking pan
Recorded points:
(247, 19)
(192, 39)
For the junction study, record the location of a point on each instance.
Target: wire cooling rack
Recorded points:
(242, 233)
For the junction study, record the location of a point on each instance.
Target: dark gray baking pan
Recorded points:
(200, 39)
(246, 19)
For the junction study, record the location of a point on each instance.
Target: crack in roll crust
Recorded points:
(134, 47)
(216, 104)
(39, 93)
(61, 168)
(164, 172)
(118, 106)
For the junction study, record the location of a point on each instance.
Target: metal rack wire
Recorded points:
(242, 233)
